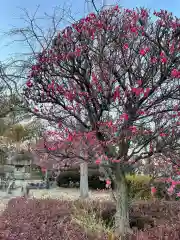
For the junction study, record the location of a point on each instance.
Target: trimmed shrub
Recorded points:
(30, 219)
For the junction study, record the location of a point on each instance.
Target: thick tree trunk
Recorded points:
(84, 189)
(122, 206)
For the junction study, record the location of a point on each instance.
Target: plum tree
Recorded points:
(118, 64)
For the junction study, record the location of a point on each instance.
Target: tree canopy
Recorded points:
(118, 63)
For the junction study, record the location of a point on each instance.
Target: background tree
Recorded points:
(121, 62)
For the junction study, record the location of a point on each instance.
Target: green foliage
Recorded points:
(139, 186)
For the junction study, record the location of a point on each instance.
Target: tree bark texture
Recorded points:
(122, 225)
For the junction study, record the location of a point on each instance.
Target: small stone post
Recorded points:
(84, 189)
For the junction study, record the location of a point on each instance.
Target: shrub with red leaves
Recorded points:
(151, 220)
(45, 219)
(33, 219)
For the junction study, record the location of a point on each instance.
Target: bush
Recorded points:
(86, 220)
(149, 220)
(40, 219)
(139, 186)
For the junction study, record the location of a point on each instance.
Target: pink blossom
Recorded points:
(170, 190)
(36, 109)
(178, 194)
(70, 138)
(108, 182)
(162, 134)
(175, 73)
(126, 46)
(153, 190)
(164, 60)
(98, 161)
(115, 160)
(142, 52)
(133, 129)
(137, 91)
(29, 83)
(116, 93)
(162, 54)
(116, 8)
(134, 29)
(146, 92)
(141, 112)
(125, 116)
(153, 60)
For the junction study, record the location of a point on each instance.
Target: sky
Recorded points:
(12, 16)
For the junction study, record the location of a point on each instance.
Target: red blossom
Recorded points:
(141, 112)
(98, 161)
(162, 134)
(137, 91)
(142, 52)
(133, 129)
(108, 182)
(153, 190)
(146, 92)
(153, 60)
(116, 93)
(36, 109)
(164, 60)
(29, 83)
(175, 73)
(125, 116)
(126, 46)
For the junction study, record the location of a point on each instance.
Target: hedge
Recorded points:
(29, 219)
(37, 219)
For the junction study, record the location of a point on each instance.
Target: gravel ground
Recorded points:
(68, 193)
